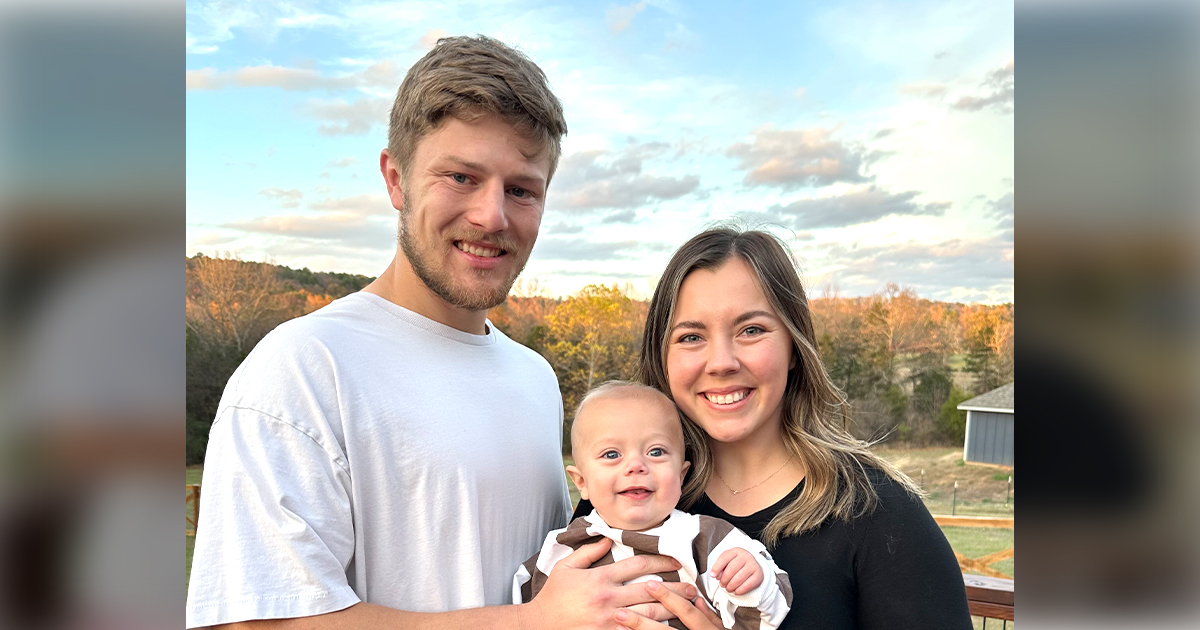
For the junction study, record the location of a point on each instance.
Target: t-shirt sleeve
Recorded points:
(907, 574)
(276, 533)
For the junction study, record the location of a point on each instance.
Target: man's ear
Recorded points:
(393, 179)
(580, 482)
(683, 471)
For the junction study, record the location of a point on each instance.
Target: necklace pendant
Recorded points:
(737, 492)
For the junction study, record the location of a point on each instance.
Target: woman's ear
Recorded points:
(579, 481)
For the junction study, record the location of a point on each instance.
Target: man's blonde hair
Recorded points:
(469, 77)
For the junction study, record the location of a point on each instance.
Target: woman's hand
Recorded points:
(577, 596)
(695, 615)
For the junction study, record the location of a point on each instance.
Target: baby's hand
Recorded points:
(737, 571)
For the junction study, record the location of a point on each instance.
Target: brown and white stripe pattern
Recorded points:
(695, 541)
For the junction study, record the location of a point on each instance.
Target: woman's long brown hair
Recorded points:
(815, 412)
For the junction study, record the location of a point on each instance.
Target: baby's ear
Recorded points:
(686, 466)
(580, 482)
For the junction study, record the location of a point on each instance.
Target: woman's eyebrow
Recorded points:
(751, 315)
(689, 324)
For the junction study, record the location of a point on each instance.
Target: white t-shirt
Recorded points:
(366, 453)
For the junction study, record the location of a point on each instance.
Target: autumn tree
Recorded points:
(523, 315)
(988, 343)
(592, 337)
(232, 303)
(889, 353)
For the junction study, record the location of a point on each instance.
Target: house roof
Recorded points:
(999, 399)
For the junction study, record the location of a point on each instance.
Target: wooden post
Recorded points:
(193, 499)
(1008, 495)
(954, 499)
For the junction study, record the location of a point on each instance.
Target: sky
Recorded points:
(875, 138)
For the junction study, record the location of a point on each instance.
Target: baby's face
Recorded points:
(629, 460)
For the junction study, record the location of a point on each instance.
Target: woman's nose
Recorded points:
(722, 357)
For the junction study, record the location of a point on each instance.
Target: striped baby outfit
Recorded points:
(695, 541)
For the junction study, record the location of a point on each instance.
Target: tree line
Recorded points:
(904, 362)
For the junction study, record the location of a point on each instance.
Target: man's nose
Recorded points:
(487, 210)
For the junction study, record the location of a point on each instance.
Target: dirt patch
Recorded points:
(981, 489)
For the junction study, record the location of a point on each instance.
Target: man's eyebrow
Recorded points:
(529, 179)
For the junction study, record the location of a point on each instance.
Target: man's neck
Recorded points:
(400, 285)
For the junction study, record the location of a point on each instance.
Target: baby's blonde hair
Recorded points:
(617, 390)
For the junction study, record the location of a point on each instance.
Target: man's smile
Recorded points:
(481, 250)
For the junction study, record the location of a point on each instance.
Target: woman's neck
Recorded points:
(745, 459)
(752, 474)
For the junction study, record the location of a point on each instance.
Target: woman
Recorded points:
(729, 337)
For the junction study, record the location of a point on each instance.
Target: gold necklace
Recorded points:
(789, 460)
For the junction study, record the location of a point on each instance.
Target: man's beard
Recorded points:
(440, 280)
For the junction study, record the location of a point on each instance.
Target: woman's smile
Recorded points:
(728, 358)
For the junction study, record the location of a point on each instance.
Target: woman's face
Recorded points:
(728, 355)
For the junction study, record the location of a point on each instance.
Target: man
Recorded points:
(390, 460)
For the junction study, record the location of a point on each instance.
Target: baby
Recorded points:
(628, 447)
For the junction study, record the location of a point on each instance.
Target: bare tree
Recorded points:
(232, 303)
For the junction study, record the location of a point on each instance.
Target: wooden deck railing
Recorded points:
(980, 565)
(193, 507)
(990, 593)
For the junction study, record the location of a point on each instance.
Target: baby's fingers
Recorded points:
(735, 564)
(746, 580)
(723, 561)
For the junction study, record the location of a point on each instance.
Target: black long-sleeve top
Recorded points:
(890, 569)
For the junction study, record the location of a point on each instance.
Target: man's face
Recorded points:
(470, 210)
(629, 460)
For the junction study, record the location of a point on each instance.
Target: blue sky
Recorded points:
(876, 138)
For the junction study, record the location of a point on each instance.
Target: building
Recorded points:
(990, 427)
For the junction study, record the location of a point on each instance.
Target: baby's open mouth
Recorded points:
(636, 493)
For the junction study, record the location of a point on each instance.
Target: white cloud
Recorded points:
(554, 248)
(430, 39)
(348, 118)
(925, 89)
(599, 178)
(949, 270)
(998, 91)
(359, 205)
(995, 91)
(792, 158)
(620, 17)
(286, 198)
(343, 163)
(379, 74)
(861, 204)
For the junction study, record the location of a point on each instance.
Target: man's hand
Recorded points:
(576, 596)
(738, 571)
(693, 612)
